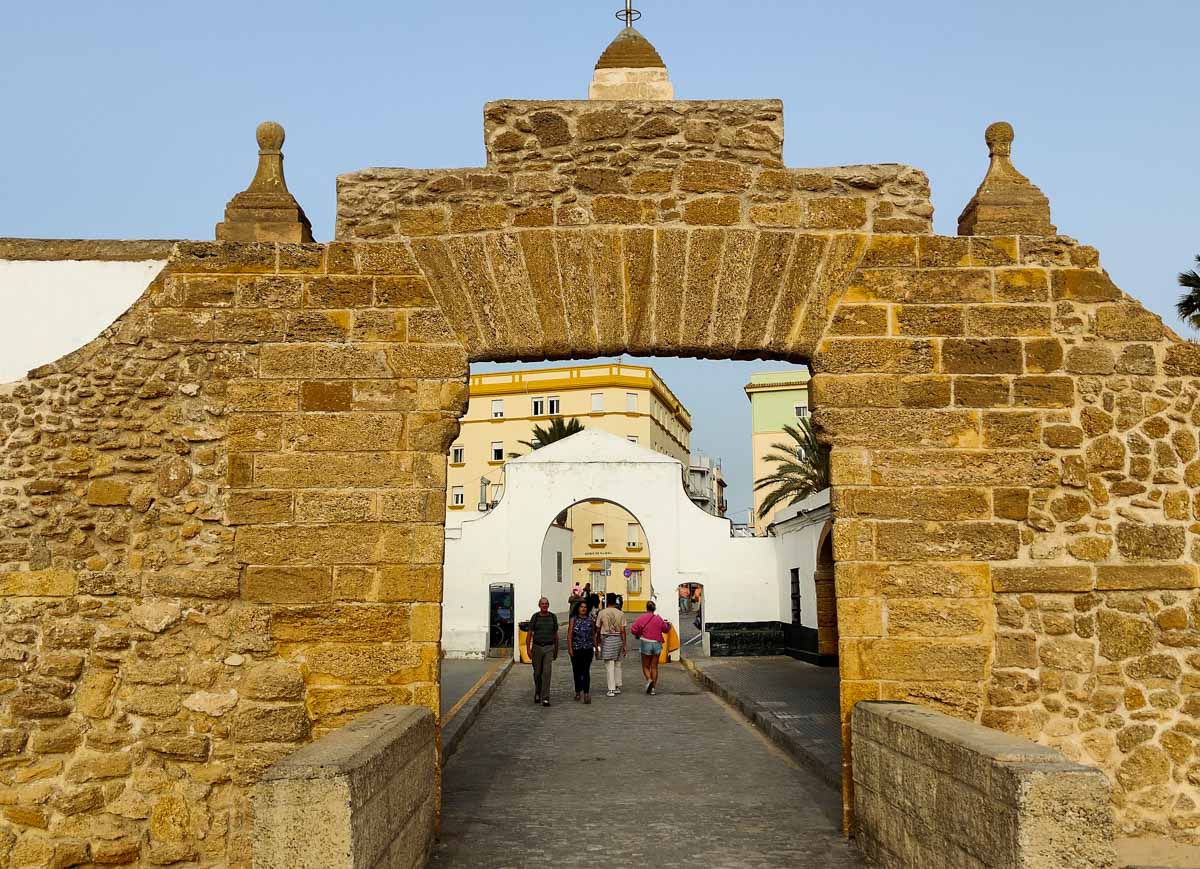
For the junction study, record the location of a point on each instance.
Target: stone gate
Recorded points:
(222, 524)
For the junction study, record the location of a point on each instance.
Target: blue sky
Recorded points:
(136, 119)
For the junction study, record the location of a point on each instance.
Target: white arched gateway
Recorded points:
(745, 580)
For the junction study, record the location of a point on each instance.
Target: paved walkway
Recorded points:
(795, 703)
(460, 675)
(679, 779)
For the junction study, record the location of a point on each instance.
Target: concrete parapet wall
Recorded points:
(931, 790)
(364, 796)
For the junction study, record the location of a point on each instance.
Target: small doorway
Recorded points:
(691, 619)
(801, 641)
(500, 620)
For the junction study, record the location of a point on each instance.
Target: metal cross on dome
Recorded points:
(629, 14)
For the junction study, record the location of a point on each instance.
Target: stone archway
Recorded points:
(240, 485)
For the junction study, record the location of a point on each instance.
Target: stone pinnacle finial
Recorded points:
(1006, 203)
(999, 137)
(630, 68)
(266, 211)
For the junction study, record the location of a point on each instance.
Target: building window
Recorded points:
(457, 497)
(554, 405)
(497, 408)
(631, 438)
(631, 402)
(597, 402)
(596, 578)
(458, 455)
(497, 451)
(801, 411)
(634, 584)
(598, 532)
(558, 565)
(539, 406)
(632, 539)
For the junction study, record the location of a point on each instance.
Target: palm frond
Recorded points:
(1188, 306)
(555, 431)
(801, 468)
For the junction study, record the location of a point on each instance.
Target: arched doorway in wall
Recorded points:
(826, 599)
(609, 552)
(598, 543)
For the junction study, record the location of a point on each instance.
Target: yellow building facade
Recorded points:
(777, 398)
(609, 547)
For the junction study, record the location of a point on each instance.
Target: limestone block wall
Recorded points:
(221, 528)
(362, 797)
(221, 538)
(931, 790)
(1016, 502)
(657, 163)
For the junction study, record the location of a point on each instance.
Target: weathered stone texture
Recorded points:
(933, 791)
(247, 471)
(699, 163)
(180, 500)
(1055, 444)
(360, 798)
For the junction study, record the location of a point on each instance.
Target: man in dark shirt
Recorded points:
(541, 645)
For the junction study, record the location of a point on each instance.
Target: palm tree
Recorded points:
(556, 431)
(1188, 305)
(801, 468)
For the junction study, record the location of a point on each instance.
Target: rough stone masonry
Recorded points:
(222, 520)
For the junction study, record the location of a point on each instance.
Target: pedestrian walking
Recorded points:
(582, 639)
(611, 627)
(651, 630)
(541, 645)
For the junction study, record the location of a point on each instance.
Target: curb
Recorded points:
(456, 728)
(770, 726)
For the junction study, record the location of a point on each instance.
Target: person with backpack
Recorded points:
(651, 630)
(541, 645)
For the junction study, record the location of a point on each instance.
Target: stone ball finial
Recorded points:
(270, 136)
(999, 138)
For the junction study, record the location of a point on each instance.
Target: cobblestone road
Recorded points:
(678, 779)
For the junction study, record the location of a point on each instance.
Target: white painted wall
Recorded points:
(53, 308)
(798, 529)
(465, 615)
(557, 544)
(741, 576)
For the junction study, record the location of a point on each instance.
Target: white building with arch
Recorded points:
(746, 580)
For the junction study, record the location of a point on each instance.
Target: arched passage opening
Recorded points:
(609, 551)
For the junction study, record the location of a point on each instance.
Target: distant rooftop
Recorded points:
(566, 377)
(772, 381)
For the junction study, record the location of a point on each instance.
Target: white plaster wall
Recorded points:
(798, 531)
(49, 309)
(740, 575)
(465, 615)
(557, 542)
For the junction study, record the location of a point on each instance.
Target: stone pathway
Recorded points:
(460, 675)
(795, 703)
(679, 779)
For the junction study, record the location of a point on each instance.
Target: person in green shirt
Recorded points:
(541, 645)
